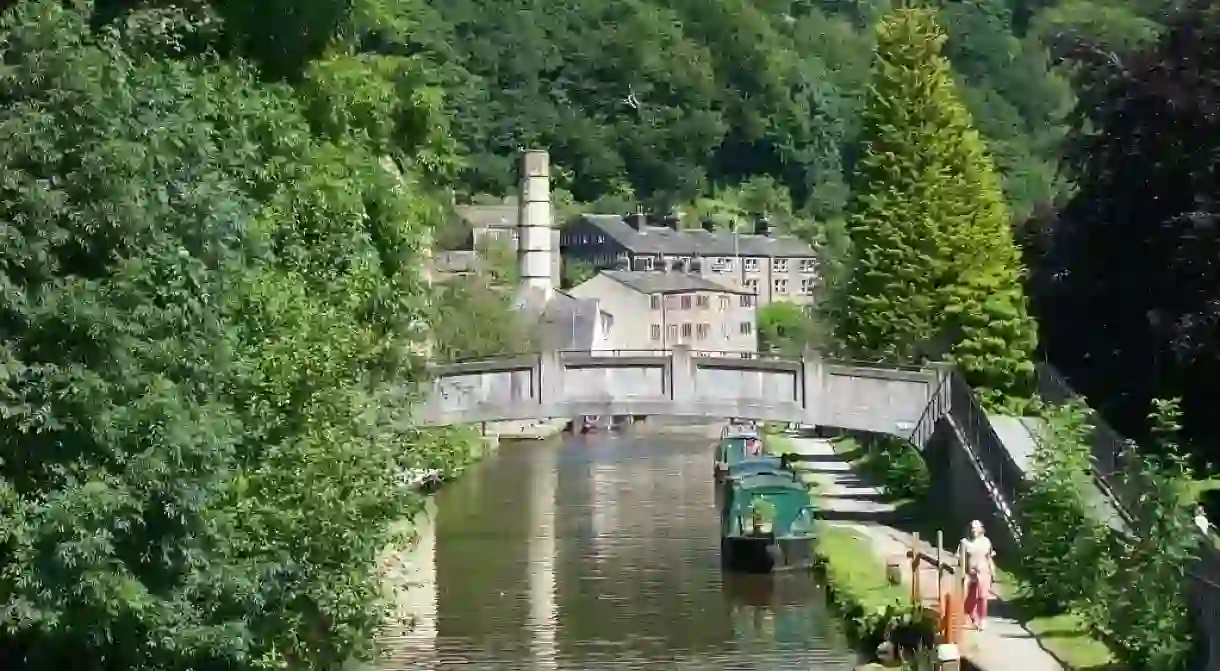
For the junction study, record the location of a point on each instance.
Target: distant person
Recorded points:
(753, 447)
(980, 568)
(1202, 522)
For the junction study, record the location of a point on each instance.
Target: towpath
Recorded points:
(1005, 645)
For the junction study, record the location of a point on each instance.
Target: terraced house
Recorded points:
(770, 266)
(653, 310)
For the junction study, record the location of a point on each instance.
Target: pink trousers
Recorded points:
(977, 594)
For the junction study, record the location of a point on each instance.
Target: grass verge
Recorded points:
(858, 586)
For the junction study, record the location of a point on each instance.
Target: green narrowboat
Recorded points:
(734, 448)
(766, 523)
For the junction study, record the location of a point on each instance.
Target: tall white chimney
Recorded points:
(534, 250)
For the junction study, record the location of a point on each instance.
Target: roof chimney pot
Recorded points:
(637, 220)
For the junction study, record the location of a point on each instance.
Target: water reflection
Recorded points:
(603, 553)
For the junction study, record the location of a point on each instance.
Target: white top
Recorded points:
(978, 553)
(1201, 521)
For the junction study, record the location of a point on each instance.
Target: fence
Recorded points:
(1114, 470)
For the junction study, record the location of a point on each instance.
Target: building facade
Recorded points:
(653, 310)
(773, 268)
(501, 223)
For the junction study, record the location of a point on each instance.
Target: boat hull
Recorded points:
(761, 554)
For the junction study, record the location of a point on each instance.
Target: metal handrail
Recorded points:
(981, 437)
(925, 426)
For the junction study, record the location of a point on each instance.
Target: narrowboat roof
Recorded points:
(770, 480)
(756, 465)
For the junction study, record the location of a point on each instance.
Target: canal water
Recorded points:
(600, 552)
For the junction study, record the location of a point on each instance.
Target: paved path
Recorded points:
(846, 501)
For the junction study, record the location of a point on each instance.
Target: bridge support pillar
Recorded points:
(813, 385)
(550, 374)
(682, 374)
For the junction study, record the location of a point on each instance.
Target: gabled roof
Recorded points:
(489, 216)
(770, 481)
(659, 282)
(696, 241)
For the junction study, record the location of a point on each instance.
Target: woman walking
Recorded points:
(980, 567)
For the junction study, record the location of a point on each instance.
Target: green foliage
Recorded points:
(212, 303)
(474, 315)
(786, 328)
(1063, 540)
(1129, 587)
(933, 254)
(894, 464)
(574, 272)
(1146, 612)
(856, 578)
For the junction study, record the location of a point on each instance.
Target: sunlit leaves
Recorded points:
(929, 228)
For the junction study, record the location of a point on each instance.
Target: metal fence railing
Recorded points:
(1116, 473)
(972, 420)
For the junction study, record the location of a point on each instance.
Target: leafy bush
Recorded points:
(1143, 606)
(1130, 588)
(1063, 541)
(872, 605)
(897, 466)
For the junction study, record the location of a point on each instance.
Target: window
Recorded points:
(724, 303)
(808, 285)
(747, 301)
(686, 330)
(745, 328)
(672, 332)
(722, 264)
(702, 301)
(646, 262)
(751, 285)
(655, 331)
(751, 265)
(654, 301)
(686, 302)
(781, 266)
(808, 266)
(702, 330)
(781, 286)
(724, 330)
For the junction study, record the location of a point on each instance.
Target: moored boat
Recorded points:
(767, 523)
(736, 447)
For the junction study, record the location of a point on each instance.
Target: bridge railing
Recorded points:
(1112, 464)
(937, 406)
(967, 412)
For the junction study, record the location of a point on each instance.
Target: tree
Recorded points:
(785, 327)
(475, 314)
(210, 313)
(933, 257)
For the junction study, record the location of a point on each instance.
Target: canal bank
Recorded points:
(598, 552)
(863, 542)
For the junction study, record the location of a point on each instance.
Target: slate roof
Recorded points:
(489, 216)
(696, 242)
(568, 322)
(657, 282)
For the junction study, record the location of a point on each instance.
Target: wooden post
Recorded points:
(916, 593)
(940, 542)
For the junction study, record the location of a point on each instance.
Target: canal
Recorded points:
(600, 552)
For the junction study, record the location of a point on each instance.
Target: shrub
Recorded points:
(1063, 542)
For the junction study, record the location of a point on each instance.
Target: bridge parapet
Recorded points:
(685, 383)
